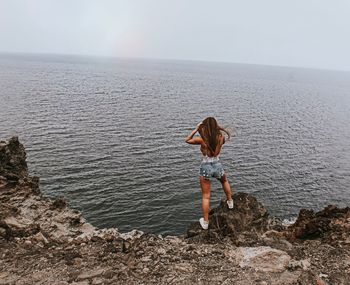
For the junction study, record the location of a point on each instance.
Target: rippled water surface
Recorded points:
(108, 134)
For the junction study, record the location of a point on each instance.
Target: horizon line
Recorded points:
(170, 59)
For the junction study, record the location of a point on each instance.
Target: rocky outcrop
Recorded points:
(13, 164)
(243, 224)
(249, 224)
(331, 225)
(43, 241)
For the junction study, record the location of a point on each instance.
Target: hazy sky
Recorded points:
(307, 33)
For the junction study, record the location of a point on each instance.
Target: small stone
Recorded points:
(125, 245)
(78, 261)
(40, 238)
(109, 274)
(134, 234)
(96, 238)
(145, 270)
(146, 258)
(140, 253)
(161, 251)
(13, 222)
(90, 274)
(184, 267)
(97, 281)
(108, 237)
(2, 232)
(303, 264)
(4, 274)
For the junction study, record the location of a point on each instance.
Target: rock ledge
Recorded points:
(43, 241)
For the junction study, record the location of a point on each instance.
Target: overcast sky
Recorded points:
(306, 33)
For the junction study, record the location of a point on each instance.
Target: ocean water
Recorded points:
(108, 134)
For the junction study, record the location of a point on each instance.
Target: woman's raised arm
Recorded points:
(189, 139)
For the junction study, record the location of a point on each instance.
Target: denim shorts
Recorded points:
(211, 169)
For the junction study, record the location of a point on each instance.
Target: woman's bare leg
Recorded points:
(226, 186)
(205, 185)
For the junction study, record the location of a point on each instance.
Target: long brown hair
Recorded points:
(209, 131)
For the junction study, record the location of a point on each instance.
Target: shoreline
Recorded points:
(43, 241)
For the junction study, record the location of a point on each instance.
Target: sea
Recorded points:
(108, 134)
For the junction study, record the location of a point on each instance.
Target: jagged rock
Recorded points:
(32, 183)
(276, 224)
(332, 224)
(13, 164)
(59, 203)
(248, 217)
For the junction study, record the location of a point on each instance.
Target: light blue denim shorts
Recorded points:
(211, 169)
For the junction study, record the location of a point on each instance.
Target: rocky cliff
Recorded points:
(43, 241)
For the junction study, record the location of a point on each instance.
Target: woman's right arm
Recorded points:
(197, 140)
(189, 139)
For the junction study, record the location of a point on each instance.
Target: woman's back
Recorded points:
(206, 151)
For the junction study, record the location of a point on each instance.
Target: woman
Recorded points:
(211, 140)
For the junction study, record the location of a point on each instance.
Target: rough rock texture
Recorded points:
(330, 225)
(243, 224)
(13, 164)
(43, 241)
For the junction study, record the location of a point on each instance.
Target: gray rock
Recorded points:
(248, 217)
(296, 264)
(262, 258)
(91, 274)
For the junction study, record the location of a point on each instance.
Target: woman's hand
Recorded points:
(189, 139)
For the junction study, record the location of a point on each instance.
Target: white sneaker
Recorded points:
(230, 204)
(204, 224)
